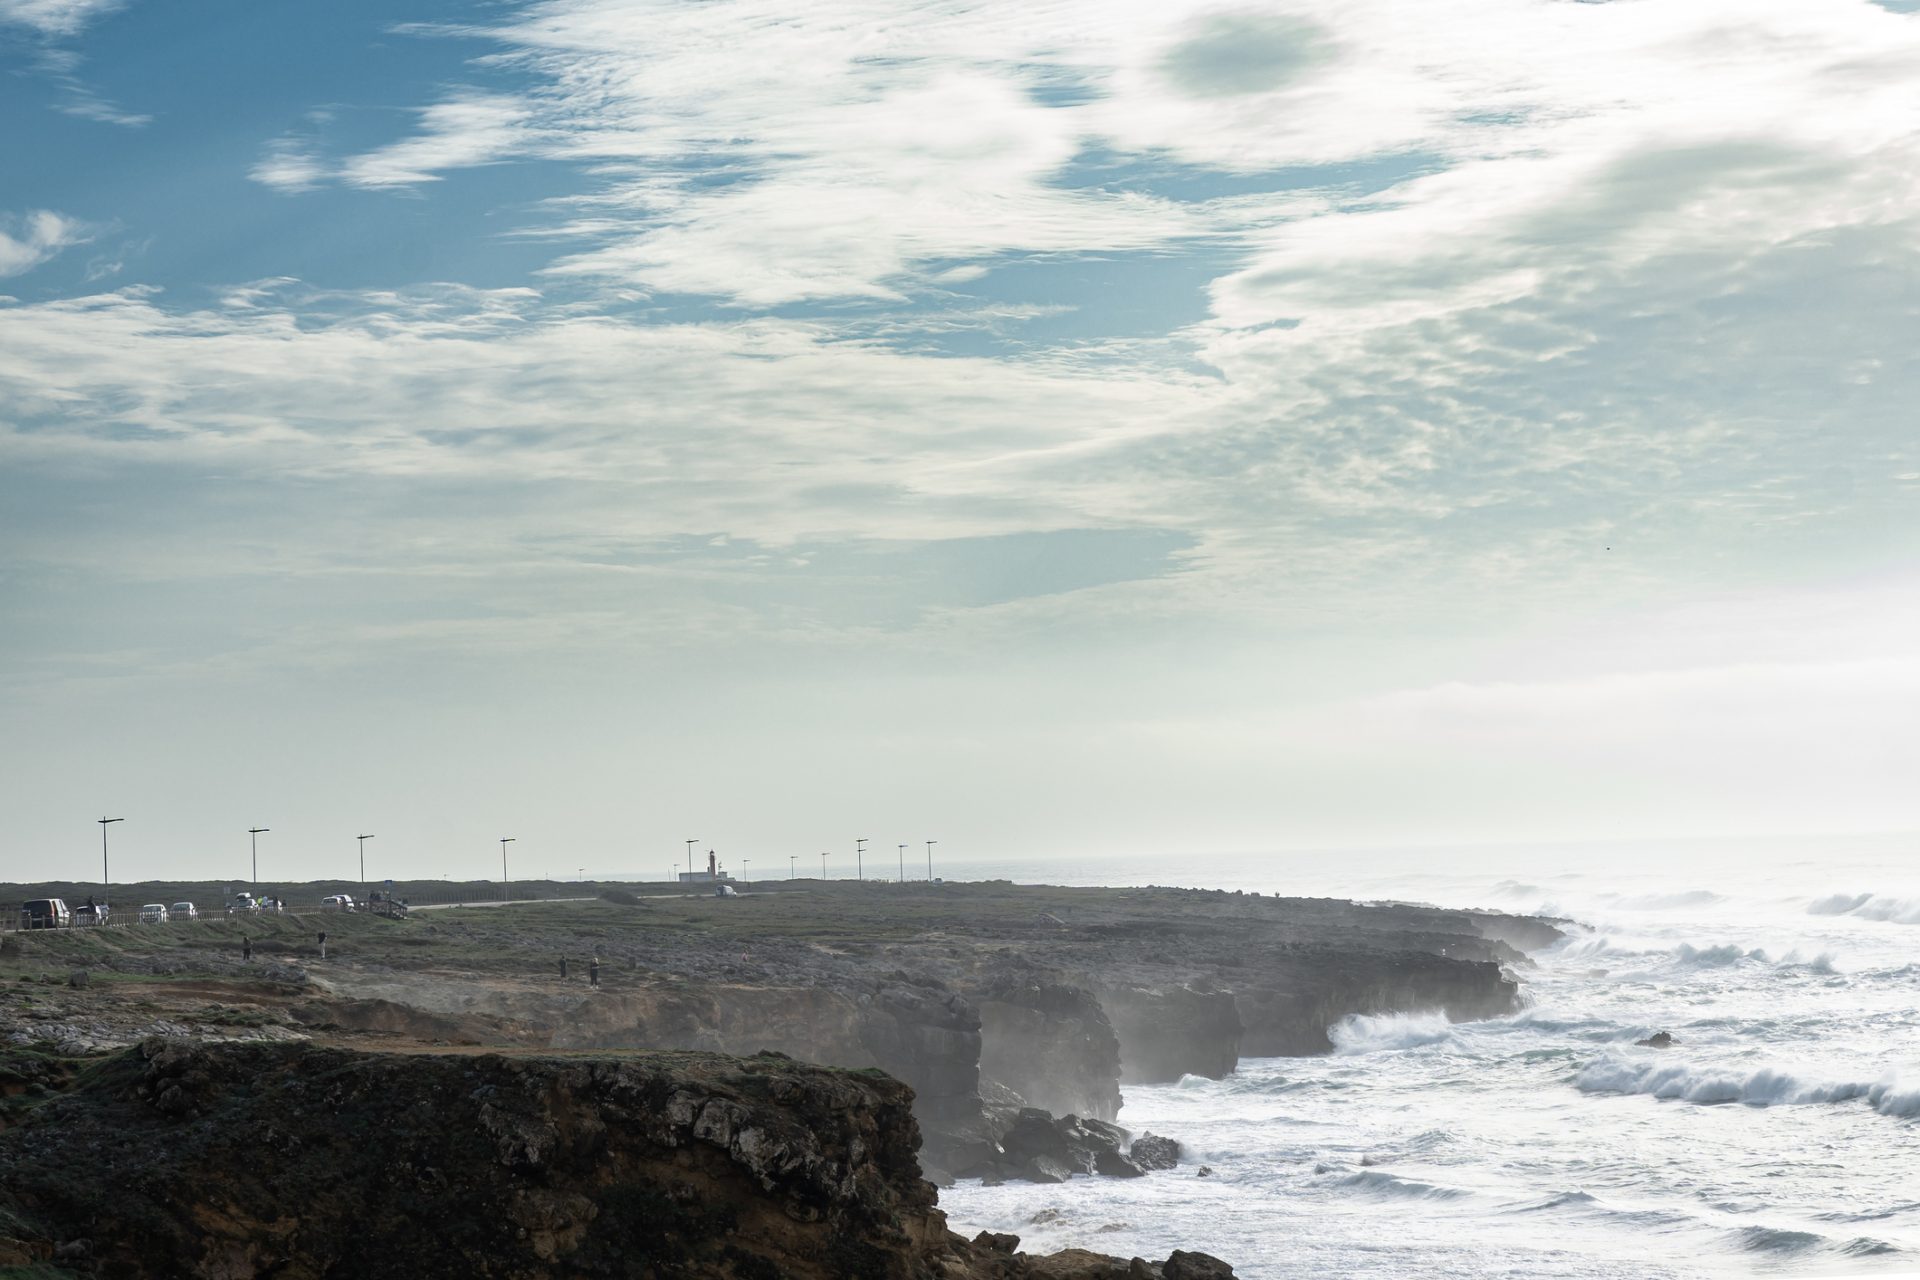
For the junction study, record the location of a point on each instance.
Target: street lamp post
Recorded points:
(504, 842)
(581, 876)
(823, 864)
(690, 845)
(859, 862)
(745, 879)
(903, 864)
(793, 866)
(930, 845)
(253, 840)
(106, 881)
(363, 866)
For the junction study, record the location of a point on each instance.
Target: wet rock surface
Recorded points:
(1036, 1146)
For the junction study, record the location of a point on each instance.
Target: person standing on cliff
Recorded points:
(593, 972)
(246, 948)
(323, 946)
(563, 968)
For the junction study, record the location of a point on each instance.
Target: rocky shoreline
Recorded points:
(1014, 1015)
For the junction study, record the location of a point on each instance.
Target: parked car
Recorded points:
(184, 911)
(338, 902)
(153, 913)
(242, 902)
(45, 913)
(90, 914)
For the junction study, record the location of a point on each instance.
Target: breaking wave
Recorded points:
(1713, 957)
(1766, 1087)
(1379, 1183)
(1867, 906)
(1896, 1094)
(1378, 1033)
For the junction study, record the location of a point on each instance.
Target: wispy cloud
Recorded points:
(466, 130)
(58, 18)
(289, 165)
(30, 239)
(80, 99)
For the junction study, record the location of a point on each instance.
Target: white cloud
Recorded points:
(766, 430)
(290, 166)
(471, 129)
(27, 241)
(56, 17)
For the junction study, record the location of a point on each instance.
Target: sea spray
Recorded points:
(1380, 1033)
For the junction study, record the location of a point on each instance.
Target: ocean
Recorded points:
(1780, 1135)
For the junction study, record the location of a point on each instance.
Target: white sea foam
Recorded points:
(1837, 904)
(1379, 1033)
(1542, 1150)
(1380, 1183)
(1669, 901)
(1867, 906)
(1725, 953)
(1661, 1077)
(1897, 1094)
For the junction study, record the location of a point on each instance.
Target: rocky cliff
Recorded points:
(973, 994)
(1052, 1044)
(222, 1162)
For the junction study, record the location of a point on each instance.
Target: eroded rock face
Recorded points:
(1170, 1031)
(1288, 1008)
(221, 1162)
(1052, 1044)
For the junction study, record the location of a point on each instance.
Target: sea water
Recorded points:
(1780, 1135)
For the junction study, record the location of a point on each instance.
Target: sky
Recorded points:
(1045, 428)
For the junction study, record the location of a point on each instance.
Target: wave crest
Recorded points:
(1895, 1094)
(1867, 906)
(1766, 1087)
(1378, 1033)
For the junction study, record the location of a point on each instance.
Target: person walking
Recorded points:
(246, 948)
(563, 968)
(323, 946)
(593, 972)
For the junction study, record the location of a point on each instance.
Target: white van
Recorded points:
(338, 902)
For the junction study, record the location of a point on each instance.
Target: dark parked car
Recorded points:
(45, 913)
(88, 913)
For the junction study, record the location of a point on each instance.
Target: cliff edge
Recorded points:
(227, 1161)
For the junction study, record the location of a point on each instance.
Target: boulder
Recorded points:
(1184, 1265)
(1151, 1151)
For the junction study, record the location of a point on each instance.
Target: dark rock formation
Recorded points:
(1658, 1040)
(224, 1162)
(1289, 1004)
(1034, 1146)
(1052, 1044)
(1151, 1151)
(1170, 1031)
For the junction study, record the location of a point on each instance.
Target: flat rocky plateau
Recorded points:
(433, 1098)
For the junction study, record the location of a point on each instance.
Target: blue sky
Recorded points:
(1071, 427)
